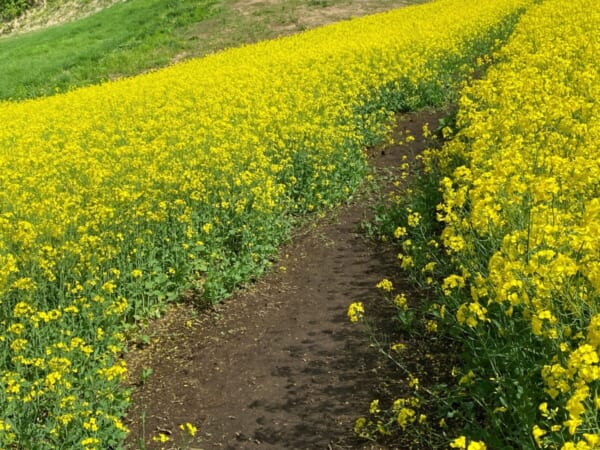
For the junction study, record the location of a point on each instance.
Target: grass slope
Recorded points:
(125, 39)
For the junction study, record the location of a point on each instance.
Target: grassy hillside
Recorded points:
(123, 39)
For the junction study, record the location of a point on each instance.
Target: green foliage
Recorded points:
(9, 9)
(122, 40)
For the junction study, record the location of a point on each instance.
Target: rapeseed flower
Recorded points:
(356, 311)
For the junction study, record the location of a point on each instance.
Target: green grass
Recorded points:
(139, 35)
(124, 39)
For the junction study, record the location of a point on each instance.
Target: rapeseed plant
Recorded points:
(520, 213)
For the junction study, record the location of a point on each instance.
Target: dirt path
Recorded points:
(278, 366)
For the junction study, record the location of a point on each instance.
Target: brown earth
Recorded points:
(305, 15)
(278, 365)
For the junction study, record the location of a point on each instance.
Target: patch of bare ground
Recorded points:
(314, 17)
(248, 21)
(279, 365)
(315, 13)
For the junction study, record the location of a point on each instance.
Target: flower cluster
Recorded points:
(355, 311)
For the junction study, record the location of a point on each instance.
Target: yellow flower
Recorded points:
(537, 434)
(360, 427)
(414, 219)
(467, 379)
(399, 232)
(374, 407)
(461, 443)
(405, 417)
(162, 437)
(407, 262)
(18, 345)
(398, 347)
(400, 301)
(16, 328)
(429, 267)
(91, 424)
(385, 285)
(452, 282)
(190, 429)
(355, 311)
(136, 273)
(23, 309)
(471, 314)
(413, 382)
(431, 326)
(593, 440)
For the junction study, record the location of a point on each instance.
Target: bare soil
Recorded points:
(278, 365)
(306, 15)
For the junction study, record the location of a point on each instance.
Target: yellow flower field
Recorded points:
(117, 197)
(521, 216)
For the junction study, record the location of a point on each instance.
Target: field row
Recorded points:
(520, 211)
